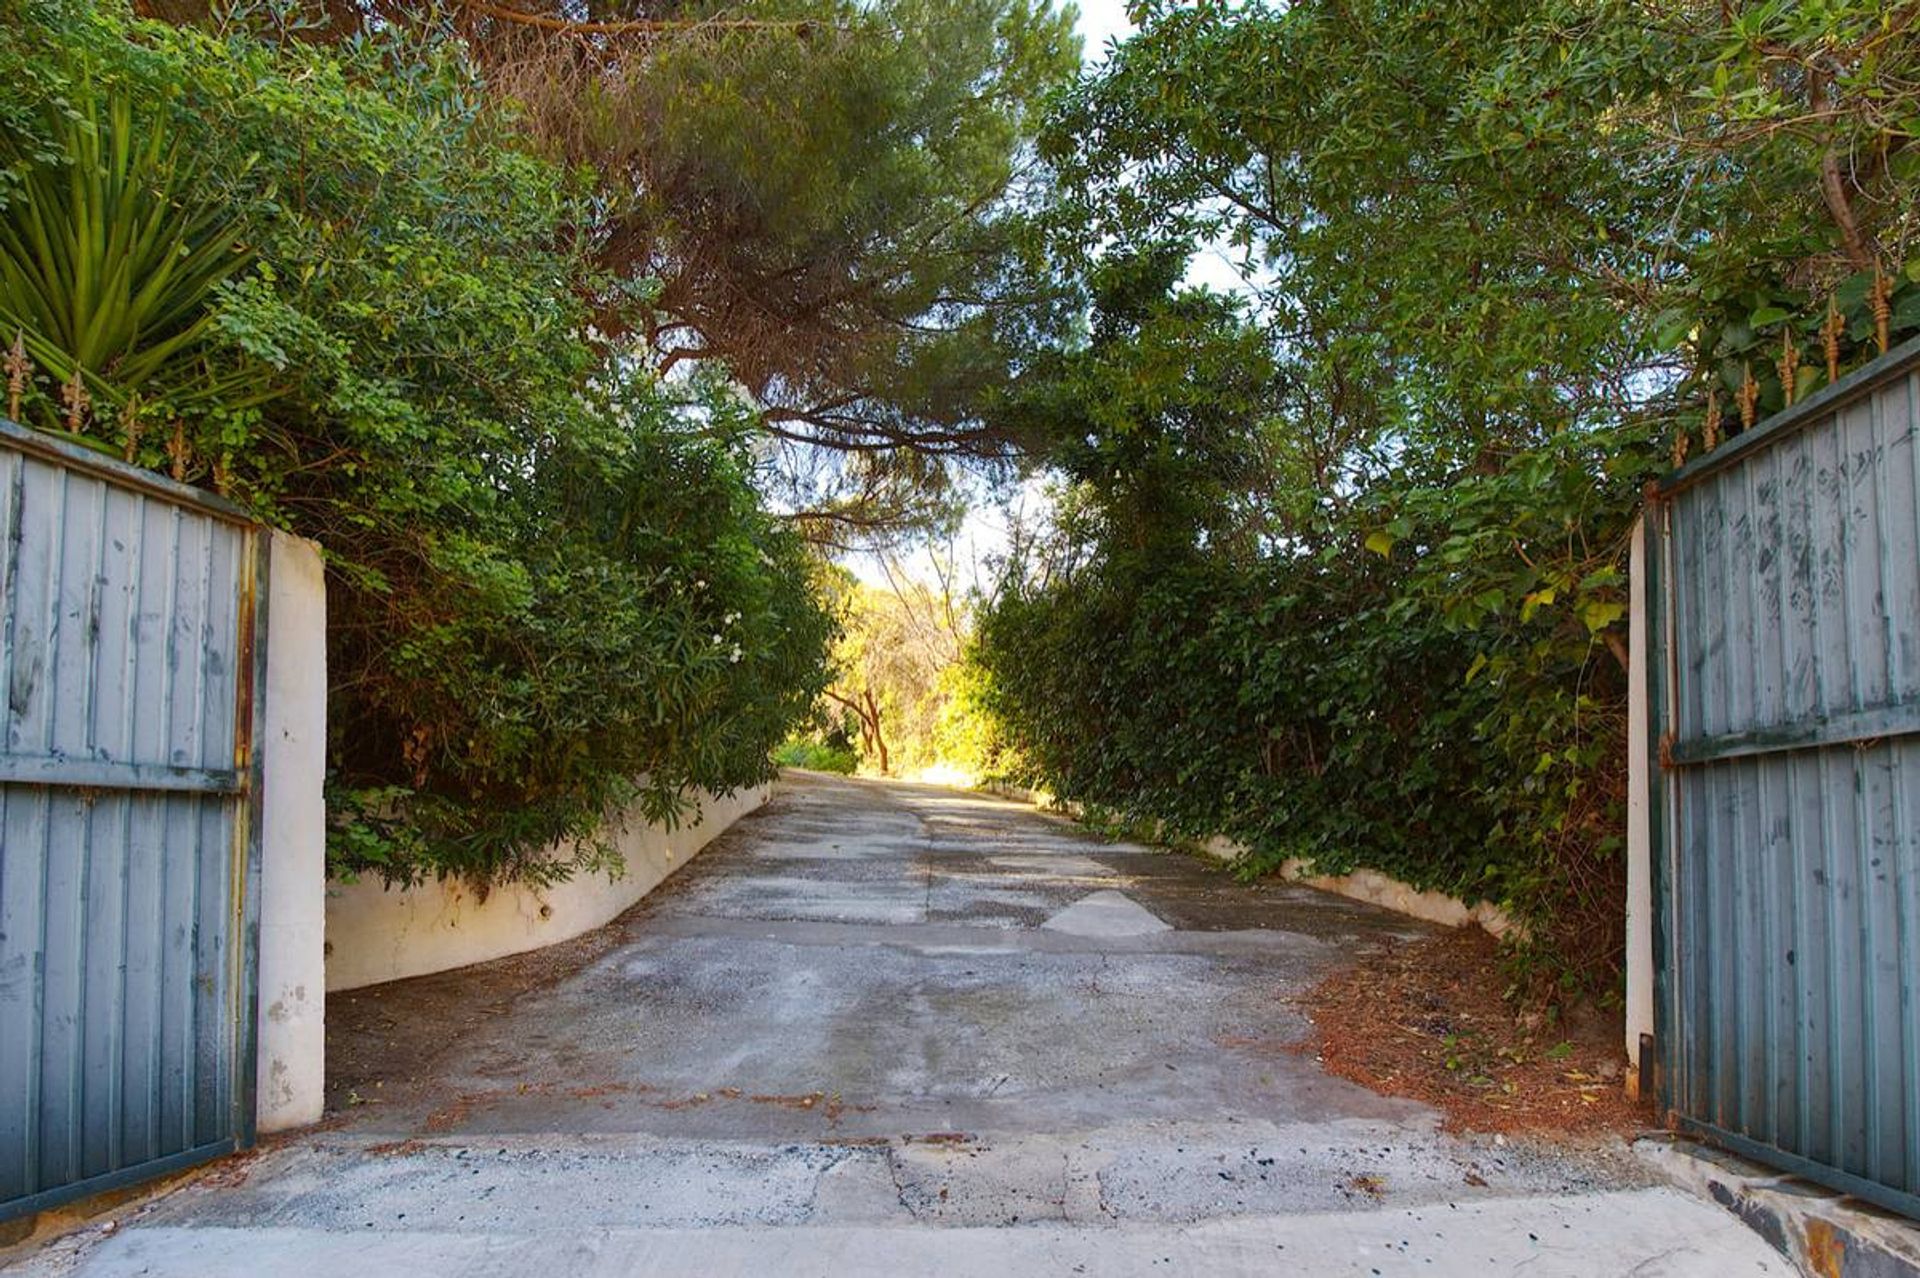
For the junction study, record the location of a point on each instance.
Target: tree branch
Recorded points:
(1833, 182)
(648, 26)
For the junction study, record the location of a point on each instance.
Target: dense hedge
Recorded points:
(1339, 566)
(1293, 707)
(552, 587)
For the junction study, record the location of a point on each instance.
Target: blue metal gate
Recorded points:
(127, 845)
(1786, 642)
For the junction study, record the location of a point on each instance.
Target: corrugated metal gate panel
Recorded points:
(1789, 694)
(125, 957)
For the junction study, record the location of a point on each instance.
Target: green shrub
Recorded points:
(1178, 650)
(551, 587)
(817, 756)
(1341, 571)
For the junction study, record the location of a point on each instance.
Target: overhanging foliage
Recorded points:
(1505, 261)
(551, 585)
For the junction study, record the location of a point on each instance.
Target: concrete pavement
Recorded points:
(881, 1028)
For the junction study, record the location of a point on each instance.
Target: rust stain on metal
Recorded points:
(1826, 1249)
(244, 663)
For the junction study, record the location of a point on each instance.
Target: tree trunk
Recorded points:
(879, 740)
(867, 710)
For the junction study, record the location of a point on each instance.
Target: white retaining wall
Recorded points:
(1403, 898)
(1361, 885)
(376, 933)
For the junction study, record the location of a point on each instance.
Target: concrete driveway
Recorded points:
(888, 1029)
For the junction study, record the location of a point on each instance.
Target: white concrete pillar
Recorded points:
(293, 840)
(1639, 827)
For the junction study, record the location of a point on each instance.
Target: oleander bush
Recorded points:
(328, 279)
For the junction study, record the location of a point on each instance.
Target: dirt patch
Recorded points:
(383, 1040)
(1427, 1020)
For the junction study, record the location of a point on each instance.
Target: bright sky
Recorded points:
(1102, 22)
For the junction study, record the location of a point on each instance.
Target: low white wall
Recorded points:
(1362, 885)
(1385, 891)
(376, 933)
(1403, 898)
(290, 1060)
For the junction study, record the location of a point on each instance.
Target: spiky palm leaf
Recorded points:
(111, 257)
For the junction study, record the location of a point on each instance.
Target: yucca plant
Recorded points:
(112, 251)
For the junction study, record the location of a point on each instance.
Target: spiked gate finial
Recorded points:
(18, 367)
(74, 396)
(1830, 338)
(1878, 299)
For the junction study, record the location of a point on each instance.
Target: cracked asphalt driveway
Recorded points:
(883, 1028)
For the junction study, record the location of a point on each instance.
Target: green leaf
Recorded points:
(1601, 613)
(1673, 326)
(1906, 312)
